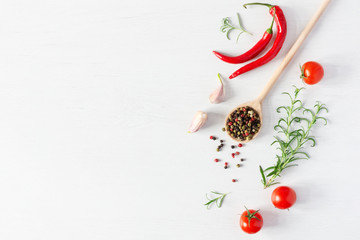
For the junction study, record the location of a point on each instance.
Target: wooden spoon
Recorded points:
(256, 104)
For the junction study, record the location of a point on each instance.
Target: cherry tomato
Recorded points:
(251, 221)
(283, 197)
(312, 72)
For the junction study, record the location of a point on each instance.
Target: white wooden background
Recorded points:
(96, 97)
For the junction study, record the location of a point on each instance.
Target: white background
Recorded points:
(96, 97)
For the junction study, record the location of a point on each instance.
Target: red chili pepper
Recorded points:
(253, 52)
(279, 40)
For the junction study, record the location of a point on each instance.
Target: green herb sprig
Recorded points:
(296, 136)
(227, 27)
(218, 200)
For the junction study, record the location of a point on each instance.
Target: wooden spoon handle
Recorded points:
(293, 50)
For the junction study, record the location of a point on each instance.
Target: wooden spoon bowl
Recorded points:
(256, 104)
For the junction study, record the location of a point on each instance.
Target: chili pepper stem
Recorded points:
(263, 4)
(269, 30)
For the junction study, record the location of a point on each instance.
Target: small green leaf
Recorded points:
(322, 118)
(263, 175)
(286, 93)
(281, 107)
(270, 174)
(221, 200)
(217, 193)
(269, 168)
(312, 140)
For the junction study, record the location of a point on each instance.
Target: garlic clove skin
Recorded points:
(198, 121)
(217, 96)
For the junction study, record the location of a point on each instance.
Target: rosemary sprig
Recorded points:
(296, 136)
(227, 27)
(218, 201)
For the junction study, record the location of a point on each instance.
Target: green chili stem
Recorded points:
(269, 30)
(262, 4)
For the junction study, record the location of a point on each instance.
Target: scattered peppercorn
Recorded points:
(237, 153)
(233, 146)
(211, 137)
(226, 167)
(233, 155)
(240, 145)
(223, 129)
(242, 159)
(216, 160)
(218, 149)
(222, 141)
(234, 180)
(226, 163)
(238, 165)
(214, 138)
(247, 124)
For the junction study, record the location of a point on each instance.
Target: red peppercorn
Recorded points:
(240, 145)
(242, 115)
(236, 120)
(252, 119)
(226, 163)
(216, 160)
(237, 153)
(211, 137)
(230, 123)
(233, 155)
(244, 109)
(246, 134)
(234, 180)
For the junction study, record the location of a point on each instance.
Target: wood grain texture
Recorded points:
(96, 97)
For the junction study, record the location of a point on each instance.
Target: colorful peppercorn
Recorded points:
(234, 180)
(247, 124)
(216, 160)
(240, 145)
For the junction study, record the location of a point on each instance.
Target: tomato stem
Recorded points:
(251, 215)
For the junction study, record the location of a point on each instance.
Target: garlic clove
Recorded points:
(217, 96)
(198, 121)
